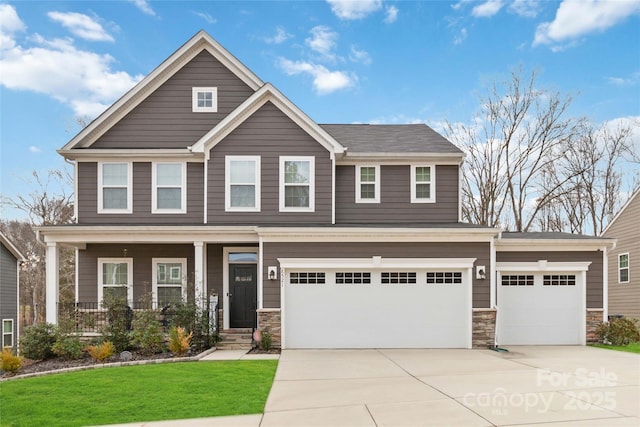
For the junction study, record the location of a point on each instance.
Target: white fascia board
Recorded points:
(266, 93)
(93, 155)
(542, 266)
(377, 262)
(162, 73)
(12, 248)
(351, 158)
(560, 245)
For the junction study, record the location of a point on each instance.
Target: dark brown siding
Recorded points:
(214, 271)
(269, 133)
(142, 265)
(273, 251)
(395, 197)
(594, 274)
(142, 187)
(165, 118)
(8, 287)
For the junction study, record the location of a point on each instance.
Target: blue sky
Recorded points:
(341, 62)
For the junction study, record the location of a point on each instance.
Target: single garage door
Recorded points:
(377, 308)
(539, 308)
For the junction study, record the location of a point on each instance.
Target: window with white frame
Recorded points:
(169, 188)
(114, 187)
(242, 183)
(367, 184)
(169, 280)
(297, 184)
(115, 279)
(423, 184)
(623, 268)
(7, 333)
(205, 99)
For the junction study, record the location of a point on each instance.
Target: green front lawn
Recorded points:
(631, 348)
(138, 393)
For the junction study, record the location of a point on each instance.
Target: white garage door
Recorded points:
(377, 308)
(540, 308)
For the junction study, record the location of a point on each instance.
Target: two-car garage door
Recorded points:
(364, 305)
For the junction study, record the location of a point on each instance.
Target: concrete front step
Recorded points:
(233, 346)
(235, 339)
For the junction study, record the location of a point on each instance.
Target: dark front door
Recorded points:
(243, 282)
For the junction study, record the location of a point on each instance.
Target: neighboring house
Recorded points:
(624, 259)
(330, 236)
(10, 258)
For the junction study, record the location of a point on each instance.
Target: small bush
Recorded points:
(266, 341)
(37, 341)
(67, 347)
(147, 333)
(101, 352)
(9, 362)
(179, 341)
(623, 331)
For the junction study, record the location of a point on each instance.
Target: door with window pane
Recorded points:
(243, 296)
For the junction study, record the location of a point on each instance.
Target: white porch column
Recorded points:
(51, 280)
(198, 261)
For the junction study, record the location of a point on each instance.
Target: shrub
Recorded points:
(266, 341)
(195, 321)
(9, 362)
(179, 341)
(67, 346)
(101, 352)
(147, 334)
(37, 341)
(119, 316)
(623, 331)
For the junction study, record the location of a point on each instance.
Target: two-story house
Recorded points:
(331, 236)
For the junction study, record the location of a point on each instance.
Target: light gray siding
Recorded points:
(269, 133)
(273, 251)
(165, 119)
(8, 289)
(142, 187)
(594, 274)
(395, 198)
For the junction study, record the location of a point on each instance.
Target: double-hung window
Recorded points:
(623, 268)
(169, 280)
(7, 333)
(423, 187)
(205, 99)
(115, 279)
(367, 184)
(169, 188)
(297, 184)
(242, 183)
(114, 188)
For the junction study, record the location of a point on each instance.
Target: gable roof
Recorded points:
(621, 211)
(201, 41)
(11, 247)
(391, 139)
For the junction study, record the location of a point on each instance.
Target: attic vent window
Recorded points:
(205, 99)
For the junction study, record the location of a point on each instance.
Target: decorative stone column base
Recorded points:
(484, 327)
(269, 321)
(595, 316)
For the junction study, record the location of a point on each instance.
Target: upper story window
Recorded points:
(114, 188)
(205, 99)
(115, 279)
(423, 184)
(297, 184)
(367, 184)
(242, 183)
(169, 188)
(623, 268)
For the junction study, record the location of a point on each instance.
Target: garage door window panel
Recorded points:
(559, 280)
(517, 280)
(399, 278)
(353, 278)
(307, 278)
(444, 277)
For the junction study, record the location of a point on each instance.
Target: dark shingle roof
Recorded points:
(544, 235)
(364, 138)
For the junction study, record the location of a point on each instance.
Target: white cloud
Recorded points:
(361, 56)
(392, 15)
(487, 9)
(577, 18)
(323, 41)
(325, 81)
(525, 8)
(625, 81)
(208, 18)
(81, 25)
(144, 6)
(460, 37)
(354, 9)
(81, 79)
(280, 36)
(10, 22)
(35, 150)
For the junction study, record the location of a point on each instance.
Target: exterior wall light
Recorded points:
(272, 272)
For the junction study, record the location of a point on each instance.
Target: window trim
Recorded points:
(154, 276)
(129, 262)
(12, 333)
(312, 181)
(154, 189)
(432, 182)
(214, 99)
(227, 184)
(628, 268)
(376, 183)
(129, 188)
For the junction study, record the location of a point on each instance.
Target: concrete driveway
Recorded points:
(528, 385)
